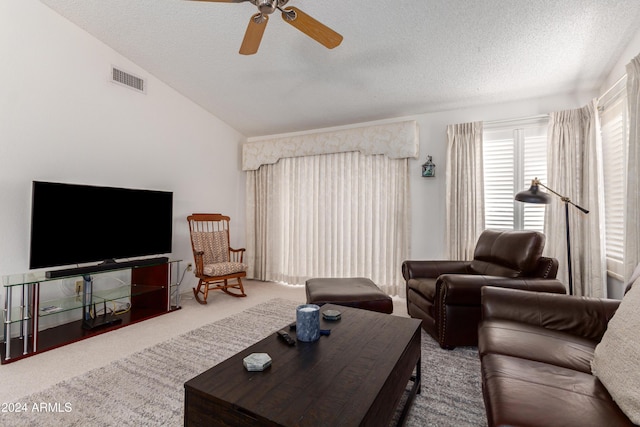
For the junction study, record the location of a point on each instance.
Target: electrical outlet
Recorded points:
(189, 267)
(79, 284)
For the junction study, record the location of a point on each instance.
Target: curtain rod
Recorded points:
(520, 119)
(606, 92)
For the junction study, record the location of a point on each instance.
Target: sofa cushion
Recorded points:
(224, 268)
(617, 358)
(521, 392)
(536, 343)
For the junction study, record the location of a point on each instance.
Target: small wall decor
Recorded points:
(428, 168)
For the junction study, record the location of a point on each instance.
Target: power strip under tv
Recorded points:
(107, 319)
(101, 322)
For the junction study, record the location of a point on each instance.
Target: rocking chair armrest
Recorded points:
(237, 255)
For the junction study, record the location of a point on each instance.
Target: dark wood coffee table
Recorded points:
(355, 376)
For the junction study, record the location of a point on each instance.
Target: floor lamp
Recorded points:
(534, 195)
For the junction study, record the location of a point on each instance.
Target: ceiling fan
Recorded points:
(291, 15)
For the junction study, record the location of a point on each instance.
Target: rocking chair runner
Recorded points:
(216, 262)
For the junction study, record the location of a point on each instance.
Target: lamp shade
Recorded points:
(533, 195)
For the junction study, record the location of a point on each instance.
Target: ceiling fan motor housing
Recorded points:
(267, 7)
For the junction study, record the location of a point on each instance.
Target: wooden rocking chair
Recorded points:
(216, 262)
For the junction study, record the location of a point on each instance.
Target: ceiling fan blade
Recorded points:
(253, 35)
(314, 29)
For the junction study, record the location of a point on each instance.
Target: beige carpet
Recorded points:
(146, 388)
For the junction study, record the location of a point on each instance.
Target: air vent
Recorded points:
(128, 80)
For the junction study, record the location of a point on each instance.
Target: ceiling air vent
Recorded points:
(128, 80)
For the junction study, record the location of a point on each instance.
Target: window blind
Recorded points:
(498, 156)
(514, 152)
(535, 166)
(614, 128)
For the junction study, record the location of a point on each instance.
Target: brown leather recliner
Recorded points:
(446, 294)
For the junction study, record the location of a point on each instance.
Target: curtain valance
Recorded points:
(395, 140)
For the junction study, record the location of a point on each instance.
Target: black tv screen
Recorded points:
(73, 224)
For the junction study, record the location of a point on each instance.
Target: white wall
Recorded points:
(61, 119)
(619, 69)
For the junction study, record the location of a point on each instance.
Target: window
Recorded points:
(615, 134)
(514, 152)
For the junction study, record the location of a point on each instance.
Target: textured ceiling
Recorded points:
(398, 58)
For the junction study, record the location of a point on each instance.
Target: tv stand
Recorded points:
(151, 290)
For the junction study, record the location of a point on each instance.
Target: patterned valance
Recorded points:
(395, 140)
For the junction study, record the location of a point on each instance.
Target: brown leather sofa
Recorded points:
(446, 294)
(536, 351)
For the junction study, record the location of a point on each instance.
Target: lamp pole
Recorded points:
(566, 218)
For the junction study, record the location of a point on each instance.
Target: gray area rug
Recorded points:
(146, 388)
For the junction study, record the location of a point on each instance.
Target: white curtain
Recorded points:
(632, 213)
(464, 189)
(329, 215)
(575, 171)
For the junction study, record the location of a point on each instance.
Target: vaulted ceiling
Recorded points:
(397, 58)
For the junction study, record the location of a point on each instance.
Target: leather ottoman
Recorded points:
(357, 292)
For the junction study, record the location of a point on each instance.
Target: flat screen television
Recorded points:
(74, 224)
